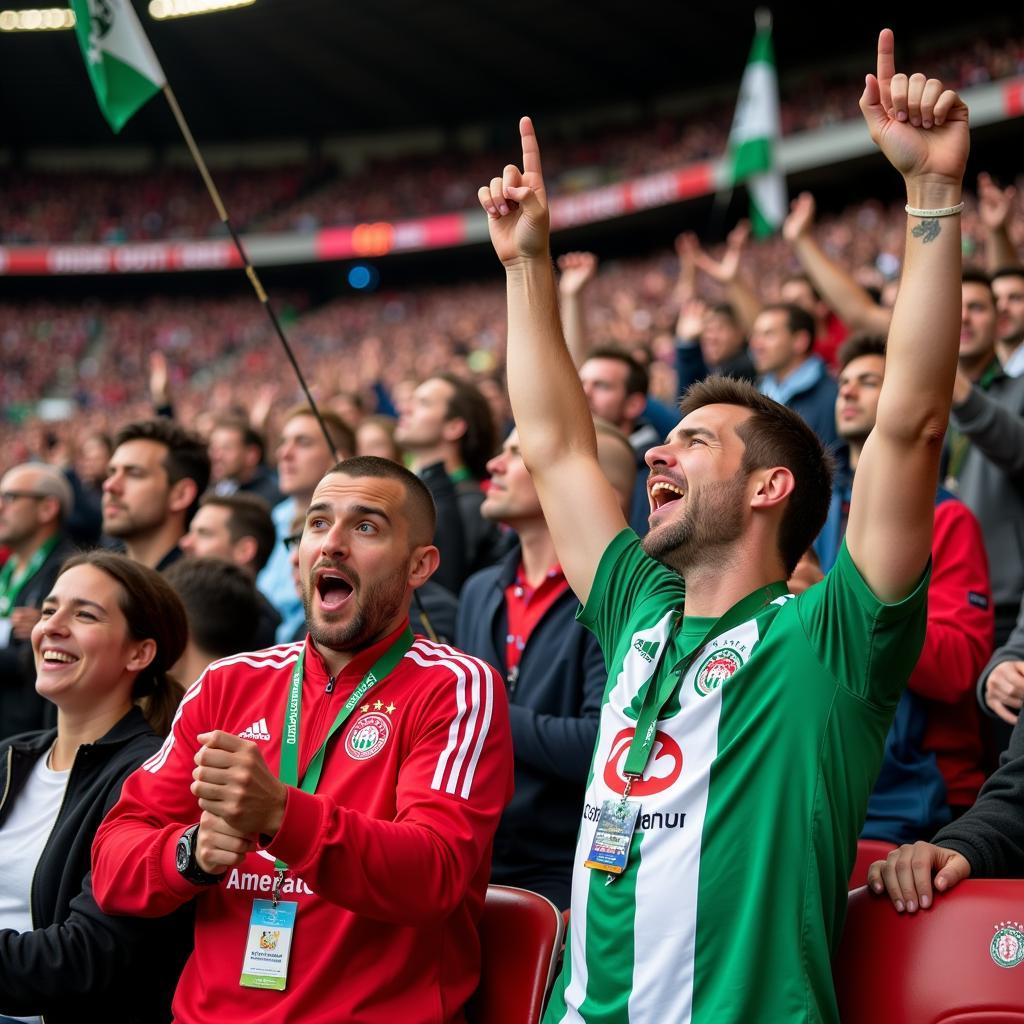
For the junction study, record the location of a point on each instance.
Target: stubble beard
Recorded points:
(374, 611)
(711, 520)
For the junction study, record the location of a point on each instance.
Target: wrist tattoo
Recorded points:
(928, 230)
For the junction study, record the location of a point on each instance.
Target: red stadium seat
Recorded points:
(961, 962)
(520, 939)
(868, 851)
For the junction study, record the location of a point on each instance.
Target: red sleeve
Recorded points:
(452, 787)
(959, 638)
(133, 869)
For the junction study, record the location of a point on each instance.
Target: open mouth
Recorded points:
(663, 494)
(53, 657)
(334, 591)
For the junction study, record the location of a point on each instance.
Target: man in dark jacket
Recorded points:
(448, 431)
(781, 344)
(35, 501)
(520, 615)
(987, 842)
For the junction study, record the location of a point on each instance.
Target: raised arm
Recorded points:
(577, 271)
(556, 431)
(726, 272)
(922, 130)
(836, 285)
(995, 207)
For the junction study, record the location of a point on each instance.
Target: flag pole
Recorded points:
(250, 270)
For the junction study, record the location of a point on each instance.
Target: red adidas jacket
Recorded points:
(388, 860)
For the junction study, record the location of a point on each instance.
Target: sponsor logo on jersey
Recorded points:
(645, 822)
(663, 768)
(715, 669)
(256, 731)
(368, 736)
(1007, 946)
(647, 649)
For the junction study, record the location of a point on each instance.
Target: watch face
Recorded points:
(181, 854)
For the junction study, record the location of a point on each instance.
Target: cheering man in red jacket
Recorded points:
(330, 805)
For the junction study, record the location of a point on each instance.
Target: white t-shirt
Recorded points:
(22, 838)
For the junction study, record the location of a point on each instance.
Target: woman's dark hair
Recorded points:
(153, 611)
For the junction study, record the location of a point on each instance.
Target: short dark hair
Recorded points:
(251, 437)
(776, 436)
(479, 441)
(341, 434)
(797, 320)
(860, 345)
(186, 458)
(1006, 272)
(248, 516)
(975, 275)
(637, 378)
(153, 611)
(221, 602)
(726, 310)
(419, 501)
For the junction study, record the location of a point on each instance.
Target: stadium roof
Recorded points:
(314, 68)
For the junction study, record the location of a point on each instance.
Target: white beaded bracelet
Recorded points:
(944, 211)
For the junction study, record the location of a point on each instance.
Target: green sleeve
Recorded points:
(870, 647)
(627, 580)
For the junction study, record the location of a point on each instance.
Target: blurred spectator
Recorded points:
(448, 433)
(35, 501)
(156, 474)
(236, 462)
(1001, 683)
(616, 388)
(781, 344)
(237, 528)
(1008, 289)
(303, 459)
(375, 435)
(223, 609)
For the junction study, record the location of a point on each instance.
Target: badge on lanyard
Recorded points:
(615, 826)
(269, 945)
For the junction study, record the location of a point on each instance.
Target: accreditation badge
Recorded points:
(269, 945)
(612, 837)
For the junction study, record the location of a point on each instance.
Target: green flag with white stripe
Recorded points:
(754, 137)
(122, 65)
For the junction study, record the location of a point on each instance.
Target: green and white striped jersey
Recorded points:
(750, 804)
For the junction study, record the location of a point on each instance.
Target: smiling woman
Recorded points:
(109, 630)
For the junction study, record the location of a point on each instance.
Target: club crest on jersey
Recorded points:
(1007, 946)
(715, 669)
(368, 736)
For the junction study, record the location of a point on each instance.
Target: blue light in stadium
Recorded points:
(361, 277)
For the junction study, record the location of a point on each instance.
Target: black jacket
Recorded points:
(554, 708)
(79, 963)
(21, 708)
(991, 833)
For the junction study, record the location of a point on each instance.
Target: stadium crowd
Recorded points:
(58, 207)
(194, 561)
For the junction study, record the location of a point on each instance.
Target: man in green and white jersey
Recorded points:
(742, 727)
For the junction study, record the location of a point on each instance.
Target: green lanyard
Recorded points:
(659, 693)
(289, 770)
(460, 475)
(11, 586)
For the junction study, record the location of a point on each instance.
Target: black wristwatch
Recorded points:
(186, 863)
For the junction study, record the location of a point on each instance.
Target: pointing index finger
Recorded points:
(886, 65)
(532, 174)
